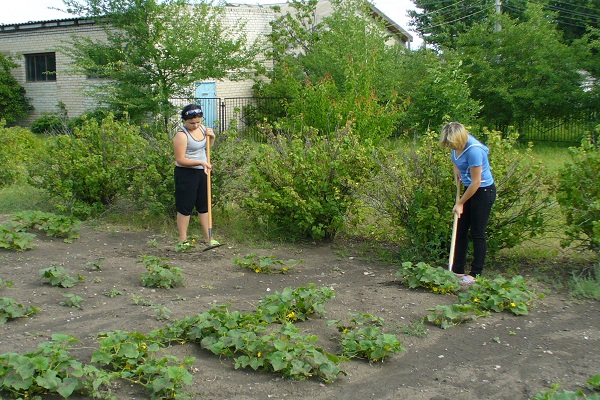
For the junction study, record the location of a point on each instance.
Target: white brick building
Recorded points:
(35, 47)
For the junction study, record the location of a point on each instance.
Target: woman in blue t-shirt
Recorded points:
(472, 168)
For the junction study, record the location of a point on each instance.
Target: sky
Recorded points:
(41, 10)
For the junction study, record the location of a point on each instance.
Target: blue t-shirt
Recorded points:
(475, 154)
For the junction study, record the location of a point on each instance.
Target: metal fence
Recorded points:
(241, 113)
(567, 130)
(245, 113)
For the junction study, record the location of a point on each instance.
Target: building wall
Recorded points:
(256, 20)
(48, 37)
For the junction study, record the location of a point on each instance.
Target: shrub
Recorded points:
(19, 148)
(59, 122)
(303, 182)
(415, 191)
(152, 187)
(13, 101)
(578, 194)
(523, 204)
(88, 170)
(50, 123)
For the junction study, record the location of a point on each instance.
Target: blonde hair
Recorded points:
(454, 135)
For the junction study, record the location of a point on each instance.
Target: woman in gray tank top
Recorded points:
(191, 169)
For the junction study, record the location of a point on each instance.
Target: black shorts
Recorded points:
(190, 190)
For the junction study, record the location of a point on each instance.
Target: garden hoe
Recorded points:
(212, 244)
(454, 226)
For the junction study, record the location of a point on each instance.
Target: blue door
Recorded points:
(206, 95)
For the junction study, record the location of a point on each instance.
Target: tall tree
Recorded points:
(13, 102)
(441, 22)
(156, 50)
(343, 45)
(353, 51)
(522, 71)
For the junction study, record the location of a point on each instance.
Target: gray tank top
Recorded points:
(196, 149)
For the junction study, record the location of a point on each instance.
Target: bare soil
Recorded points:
(498, 357)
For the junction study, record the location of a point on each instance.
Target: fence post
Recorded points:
(223, 110)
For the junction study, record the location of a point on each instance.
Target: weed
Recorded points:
(14, 239)
(95, 265)
(72, 300)
(160, 274)
(363, 338)
(438, 280)
(265, 264)
(59, 276)
(113, 293)
(4, 283)
(417, 329)
(586, 287)
(161, 312)
(10, 309)
(294, 304)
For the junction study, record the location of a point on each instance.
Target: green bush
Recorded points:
(523, 204)
(415, 190)
(434, 88)
(50, 123)
(13, 101)
(578, 193)
(86, 171)
(19, 148)
(323, 107)
(302, 182)
(152, 186)
(60, 123)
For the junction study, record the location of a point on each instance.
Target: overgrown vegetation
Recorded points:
(13, 101)
(578, 193)
(414, 187)
(20, 148)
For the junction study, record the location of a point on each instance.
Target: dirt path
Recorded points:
(497, 357)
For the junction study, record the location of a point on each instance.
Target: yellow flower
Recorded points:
(476, 300)
(513, 304)
(258, 355)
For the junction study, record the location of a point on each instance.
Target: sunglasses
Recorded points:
(195, 111)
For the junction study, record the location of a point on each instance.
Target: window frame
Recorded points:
(40, 67)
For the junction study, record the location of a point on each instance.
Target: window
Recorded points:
(41, 67)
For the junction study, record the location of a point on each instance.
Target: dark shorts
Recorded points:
(190, 190)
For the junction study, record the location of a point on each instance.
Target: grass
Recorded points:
(586, 285)
(553, 156)
(23, 197)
